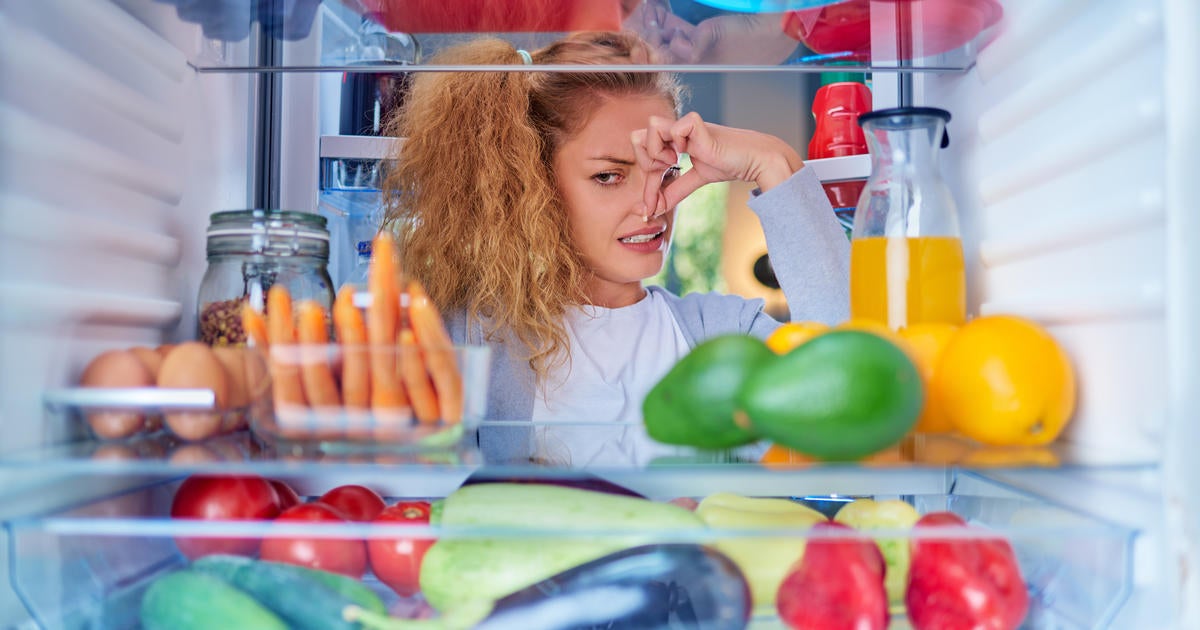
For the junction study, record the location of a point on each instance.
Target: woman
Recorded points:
(532, 205)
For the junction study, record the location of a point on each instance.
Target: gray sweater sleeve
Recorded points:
(808, 248)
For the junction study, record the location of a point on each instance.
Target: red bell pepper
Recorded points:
(964, 583)
(838, 583)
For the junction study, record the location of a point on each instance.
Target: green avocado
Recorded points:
(693, 405)
(842, 395)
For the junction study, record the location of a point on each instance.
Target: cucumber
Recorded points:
(192, 599)
(347, 587)
(226, 566)
(299, 599)
(479, 570)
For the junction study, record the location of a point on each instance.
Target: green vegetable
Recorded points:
(471, 570)
(842, 395)
(765, 561)
(296, 596)
(866, 514)
(694, 403)
(191, 599)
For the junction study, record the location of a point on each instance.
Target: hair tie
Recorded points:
(525, 56)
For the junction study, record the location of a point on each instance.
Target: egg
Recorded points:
(195, 365)
(116, 368)
(234, 359)
(149, 357)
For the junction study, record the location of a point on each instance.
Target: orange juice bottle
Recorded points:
(907, 280)
(906, 256)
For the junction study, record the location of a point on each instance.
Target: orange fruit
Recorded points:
(792, 334)
(926, 342)
(878, 328)
(1004, 381)
(784, 457)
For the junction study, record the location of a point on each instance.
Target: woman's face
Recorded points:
(602, 188)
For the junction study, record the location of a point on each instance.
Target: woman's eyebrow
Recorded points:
(614, 160)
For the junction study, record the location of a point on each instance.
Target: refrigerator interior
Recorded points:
(1073, 151)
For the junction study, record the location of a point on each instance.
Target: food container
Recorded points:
(435, 395)
(249, 251)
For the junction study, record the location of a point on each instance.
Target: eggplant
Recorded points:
(579, 481)
(652, 587)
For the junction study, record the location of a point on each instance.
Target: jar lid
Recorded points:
(270, 232)
(282, 223)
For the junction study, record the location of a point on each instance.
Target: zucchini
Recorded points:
(459, 570)
(184, 600)
(299, 599)
(225, 567)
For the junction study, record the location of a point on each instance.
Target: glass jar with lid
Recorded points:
(249, 251)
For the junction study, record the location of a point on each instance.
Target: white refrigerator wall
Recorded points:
(113, 152)
(1074, 157)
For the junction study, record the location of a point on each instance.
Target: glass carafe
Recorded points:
(906, 257)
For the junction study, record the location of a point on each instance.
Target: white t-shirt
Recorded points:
(617, 356)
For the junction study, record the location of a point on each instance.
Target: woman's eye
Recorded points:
(607, 179)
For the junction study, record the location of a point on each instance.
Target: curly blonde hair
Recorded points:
(473, 198)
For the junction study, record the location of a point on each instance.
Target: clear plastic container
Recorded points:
(90, 565)
(249, 251)
(443, 399)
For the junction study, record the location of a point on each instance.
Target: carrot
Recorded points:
(416, 379)
(383, 318)
(255, 327)
(285, 370)
(313, 331)
(438, 352)
(352, 334)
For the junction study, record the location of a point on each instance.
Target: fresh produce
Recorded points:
(356, 503)
(926, 343)
(458, 570)
(223, 498)
(694, 404)
(1005, 381)
(578, 479)
(287, 496)
(397, 561)
(652, 586)
(194, 600)
(340, 555)
(837, 584)
(843, 395)
(226, 567)
(764, 560)
(963, 582)
(791, 335)
(868, 514)
(398, 362)
(297, 597)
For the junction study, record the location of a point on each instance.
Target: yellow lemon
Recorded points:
(1004, 381)
(926, 342)
(792, 334)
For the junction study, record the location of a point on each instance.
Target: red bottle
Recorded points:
(837, 134)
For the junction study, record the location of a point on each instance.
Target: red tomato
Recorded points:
(218, 499)
(339, 555)
(397, 561)
(354, 502)
(287, 496)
